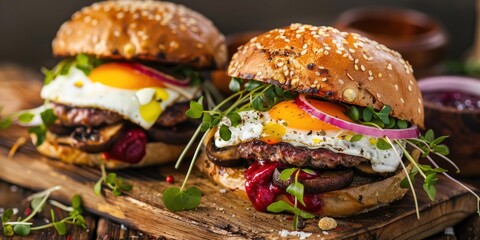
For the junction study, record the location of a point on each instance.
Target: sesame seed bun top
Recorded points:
(340, 66)
(146, 30)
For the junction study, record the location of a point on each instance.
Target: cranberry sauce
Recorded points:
(458, 100)
(262, 192)
(259, 185)
(313, 202)
(130, 147)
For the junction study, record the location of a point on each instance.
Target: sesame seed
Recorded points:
(305, 46)
(349, 94)
(409, 88)
(350, 76)
(280, 64)
(419, 101)
(396, 87)
(324, 79)
(389, 66)
(356, 67)
(120, 15)
(305, 52)
(378, 95)
(362, 67)
(370, 78)
(351, 50)
(401, 100)
(259, 73)
(418, 110)
(341, 81)
(380, 75)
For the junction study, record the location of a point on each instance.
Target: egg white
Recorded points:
(252, 127)
(76, 89)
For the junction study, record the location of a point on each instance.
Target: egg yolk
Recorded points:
(273, 132)
(121, 75)
(294, 117)
(152, 110)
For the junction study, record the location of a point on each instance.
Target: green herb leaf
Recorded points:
(111, 178)
(368, 114)
(441, 149)
(391, 123)
(126, 187)
(402, 124)
(296, 189)
(5, 123)
(7, 215)
(429, 185)
(35, 203)
(304, 214)
(206, 121)
(48, 117)
(235, 84)
(251, 85)
(76, 201)
(60, 227)
(309, 171)
(22, 229)
(225, 132)
(97, 188)
(438, 141)
(257, 103)
(356, 137)
(429, 135)
(177, 200)
(25, 117)
(196, 109)
(287, 173)
(40, 132)
(8, 231)
(49, 75)
(354, 113)
(235, 118)
(382, 144)
(279, 206)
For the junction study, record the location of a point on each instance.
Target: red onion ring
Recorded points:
(159, 75)
(411, 132)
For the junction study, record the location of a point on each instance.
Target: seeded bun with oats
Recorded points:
(344, 172)
(128, 72)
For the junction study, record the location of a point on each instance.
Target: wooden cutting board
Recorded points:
(220, 215)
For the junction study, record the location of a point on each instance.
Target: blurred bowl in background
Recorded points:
(219, 77)
(452, 107)
(418, 37)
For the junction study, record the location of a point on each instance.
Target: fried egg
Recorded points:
(286, 122)
(117, 88)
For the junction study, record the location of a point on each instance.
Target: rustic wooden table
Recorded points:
(221, 215)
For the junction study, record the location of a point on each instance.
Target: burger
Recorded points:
(128, 72)
(321, 123)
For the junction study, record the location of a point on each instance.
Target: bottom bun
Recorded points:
(339, 203)
(155, 153)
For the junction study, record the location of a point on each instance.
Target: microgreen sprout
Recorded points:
(22, 227)
(296, 189)
(426, 144)
(254, 95)
(111, 180)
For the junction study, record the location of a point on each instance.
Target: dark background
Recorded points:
(27, 27)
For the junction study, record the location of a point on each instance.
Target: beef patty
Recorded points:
(280, 152)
